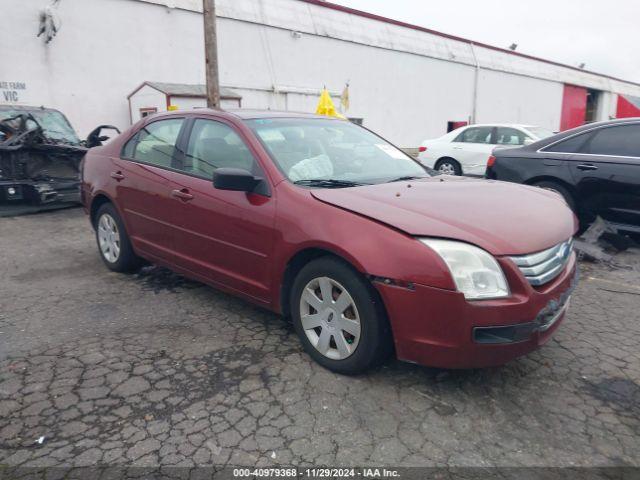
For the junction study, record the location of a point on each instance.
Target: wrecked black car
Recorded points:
(40, 155)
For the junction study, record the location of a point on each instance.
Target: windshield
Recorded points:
(540, 132)
(311, 149)
(53, 123)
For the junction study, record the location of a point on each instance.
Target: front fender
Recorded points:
(372, 248)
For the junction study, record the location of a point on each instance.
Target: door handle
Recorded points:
(457, 148)
(182, 194)
(587, 166)
(117, 175)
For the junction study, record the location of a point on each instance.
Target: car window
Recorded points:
(570, 145)
(54, 124)
(156, 142)
(623, 141)
(129, 147)
(214, 145)
(509, 136)
(475, 135)
(312, 149)
(540, 132)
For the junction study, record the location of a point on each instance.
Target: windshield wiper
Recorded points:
(407, 177)
(328, 183)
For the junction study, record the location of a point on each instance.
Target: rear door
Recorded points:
(224, 236)
(606, 170)
(142, 186)
(472, 148)
(510, 137)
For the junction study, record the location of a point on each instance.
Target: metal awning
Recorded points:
(187, 90)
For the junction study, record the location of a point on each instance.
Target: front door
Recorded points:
(142, 186)
(224, 236)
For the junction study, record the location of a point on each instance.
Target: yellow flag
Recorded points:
(326, 106)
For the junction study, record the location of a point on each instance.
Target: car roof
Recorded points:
(586, 126)
(244, 114)
(578, 130)
(26, 108)
(253, 114)
(513, 125)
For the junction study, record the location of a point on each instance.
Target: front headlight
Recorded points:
(475, 272)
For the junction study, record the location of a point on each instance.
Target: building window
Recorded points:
(145, 112)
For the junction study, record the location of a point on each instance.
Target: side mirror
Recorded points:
(235, 179)
(95, 139)
(528, 141)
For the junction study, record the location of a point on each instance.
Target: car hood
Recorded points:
(503, 218)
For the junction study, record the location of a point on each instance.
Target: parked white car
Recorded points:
(465, 151)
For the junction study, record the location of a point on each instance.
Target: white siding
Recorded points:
(105, 48)
(405, 83)
(508, 98)
(188, 103)
(403, 96)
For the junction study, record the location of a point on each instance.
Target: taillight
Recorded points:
(491, 161)
(422, 149)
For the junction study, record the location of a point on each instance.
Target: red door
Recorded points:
(574, 107)
(628, 107)
(142, 187)
(143, 196)
(224, 236)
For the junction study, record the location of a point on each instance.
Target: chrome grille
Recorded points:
(542, 267)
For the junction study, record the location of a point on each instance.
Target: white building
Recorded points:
(406, 82)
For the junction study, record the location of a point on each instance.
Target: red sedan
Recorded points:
(326, 223)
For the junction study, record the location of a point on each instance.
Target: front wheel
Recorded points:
(113, 242)
(339, 318)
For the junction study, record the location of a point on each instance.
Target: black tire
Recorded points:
(558, 188)
(375, 343)
(453, 165)
(126, 260)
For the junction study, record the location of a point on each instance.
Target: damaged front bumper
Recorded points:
(39, 192)
(440, 328)
(36, 172)
(35, 179)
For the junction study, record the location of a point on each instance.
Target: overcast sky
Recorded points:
(601, 34)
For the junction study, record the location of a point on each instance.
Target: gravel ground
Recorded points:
(154, 370)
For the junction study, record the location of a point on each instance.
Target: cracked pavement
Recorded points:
(151, 369)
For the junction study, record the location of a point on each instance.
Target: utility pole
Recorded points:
(211, 53)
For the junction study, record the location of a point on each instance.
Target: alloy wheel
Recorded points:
(330, 318)
(109, 238)
(447, 168)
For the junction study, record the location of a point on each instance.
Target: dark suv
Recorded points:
(596, 168)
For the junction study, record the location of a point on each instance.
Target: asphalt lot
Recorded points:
(151, 369)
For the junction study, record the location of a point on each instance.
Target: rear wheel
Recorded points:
(563, 191)
(448, 166)
(113, 242)
(339, 318)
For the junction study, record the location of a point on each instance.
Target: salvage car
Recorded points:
(40, 156)
(327, 223)
(465, 151)
(595, 168)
